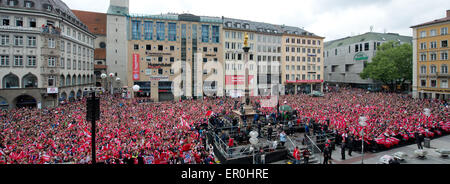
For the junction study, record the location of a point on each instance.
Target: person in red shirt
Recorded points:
(296, 155)
(230, 145)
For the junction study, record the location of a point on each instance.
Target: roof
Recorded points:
(369, 36)
(263, 27)
(100, 54)
(96, 22)
(445, 19)
(57, 7)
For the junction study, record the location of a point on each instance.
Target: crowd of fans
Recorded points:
(132, 132)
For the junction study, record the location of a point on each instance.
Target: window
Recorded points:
(205, 33)
(148, 47)
(136, 31)
(433, 45)
(4, 60)
(444, 83)
(160, 31)
(51, 43)
(69, 48)
(433, 32)
(19, 21)
(51, 81)
(160, 59)
(433, 69)
(31, 61)
(18, 60)
(423, 83)
(433, 83)
(423, 34)
(172, 59)
(160, 48)
(444, 31)
(444, 43)
(444, 69)
(74, 64)
(423, 56)
(18, 40)
(215, 34)
(287, 76)
(148, 30)
(68, 64)
(28, 4)
(13, 2)
(5, 21)
(356, 48)
(136, 47)
(423, 69)
(423, 45)
(444, 55)
(172, 32)
(4, 40)
(160, 71)
(433, 56)
(62, 64)
(51, 62)
(63, 45)
(366, 46)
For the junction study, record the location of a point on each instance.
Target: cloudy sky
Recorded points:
(332, 19)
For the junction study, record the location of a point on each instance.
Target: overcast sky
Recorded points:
(332, 19)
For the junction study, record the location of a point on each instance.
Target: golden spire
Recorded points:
(246, 40)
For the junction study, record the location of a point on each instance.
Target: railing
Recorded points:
(51, 30)
(313, 147)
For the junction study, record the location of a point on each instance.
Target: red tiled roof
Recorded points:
(100, 54)
(445, 19)
(96, 22)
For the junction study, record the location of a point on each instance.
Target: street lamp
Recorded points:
(254, 141)
(111, 75)
(103, 76)
(362, 122)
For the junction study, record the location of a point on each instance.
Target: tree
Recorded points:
(392, 65)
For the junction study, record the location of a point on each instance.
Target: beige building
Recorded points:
(175, 56)
(430, 59)
(46, 54)
(301, 61)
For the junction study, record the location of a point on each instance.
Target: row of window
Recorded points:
(17, 60)
(72, 48)
(209, 33)
(433, 56)
(148, 47)
(433, 83)
(303, 77)
(433, 32)
(302, 41)
(18, 40)
(31, 81)
(303, 68)
(302, 50)
(433, 44)
(31, 61)
(304, 59)
(357, 48)
(433, 69)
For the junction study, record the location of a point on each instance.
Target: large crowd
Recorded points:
(133, 132)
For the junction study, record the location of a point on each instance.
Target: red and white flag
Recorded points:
(209, 113)
(46, 158)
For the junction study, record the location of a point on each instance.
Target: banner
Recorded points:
(237, 79)
(136, 67)
(304, 81)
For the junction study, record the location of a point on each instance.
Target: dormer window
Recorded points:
(13, 2)
(228, 24)
(29, 4)
(246, 26)
(238, 25)
(260, 29)
(48, 7)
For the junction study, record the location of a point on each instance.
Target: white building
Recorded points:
(46, 54)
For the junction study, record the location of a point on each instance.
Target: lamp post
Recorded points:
(254, 141)
(362, 122)
(111, 75)
(103, 76)
(135, 88)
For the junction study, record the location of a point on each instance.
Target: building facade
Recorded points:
(96, 23)
(302, 61)
(346, 58)
(430, 59)
(46, 54)
(263, 57)
(173, 56)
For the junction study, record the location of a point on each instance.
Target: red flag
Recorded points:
(209, 113)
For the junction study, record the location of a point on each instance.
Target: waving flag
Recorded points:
(209, 113)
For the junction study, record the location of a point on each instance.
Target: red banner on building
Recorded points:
(237, 79)
(136, 67)
(304, 81)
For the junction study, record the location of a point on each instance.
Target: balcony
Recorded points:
(100, 67)
(51, 30)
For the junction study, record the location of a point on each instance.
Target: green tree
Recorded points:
(392, 65)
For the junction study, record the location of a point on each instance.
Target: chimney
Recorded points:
(448, 13)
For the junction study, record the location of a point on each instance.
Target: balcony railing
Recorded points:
(51, 30)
